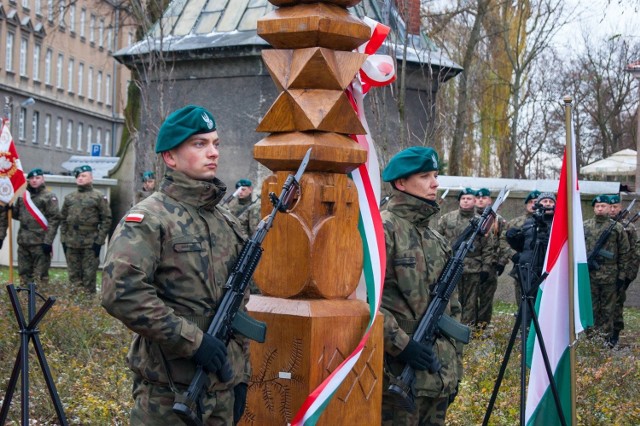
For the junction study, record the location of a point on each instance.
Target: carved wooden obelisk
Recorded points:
(312, 258)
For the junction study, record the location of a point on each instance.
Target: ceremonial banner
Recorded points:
(12, 179)
(378, 70)
(553, 309)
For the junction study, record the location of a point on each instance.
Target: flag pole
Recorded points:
(569, 152)
(8, 106)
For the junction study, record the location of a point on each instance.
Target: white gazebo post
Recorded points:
(634, 69)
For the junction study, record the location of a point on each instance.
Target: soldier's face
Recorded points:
(84, 178)
(614, 209)
(483, 201)
(467, 201)
(601, 209)
(423, 185)
(245, 191)
(149, 184)
(197, 157)
(36, 181)
(530, 206)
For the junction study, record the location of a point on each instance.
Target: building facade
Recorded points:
(58, 80)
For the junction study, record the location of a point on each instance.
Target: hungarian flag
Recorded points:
(12, 180)
(553, 307)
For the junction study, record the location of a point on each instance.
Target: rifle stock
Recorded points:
(188, 406)
(402, 387)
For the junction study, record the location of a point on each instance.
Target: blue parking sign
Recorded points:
(96, 149)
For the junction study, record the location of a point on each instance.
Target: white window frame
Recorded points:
(22, 124)
(107, 90)
(50, 10)
(80, 78)
(90, 84)
(99, 87)
(58, 132)
(70, 66)
(35, 123)
(47, 129)
(72, 18)
(83, 22)
(35, 74)
(38, 7)
(107, 142)
(79, 130)
(48, 57)
(59, 70)
(69, 135)
(101, 33)
(92, 28)
(24, 50)
(61, 10)
(89, 136)
(8, 58)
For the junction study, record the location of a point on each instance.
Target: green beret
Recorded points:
(80, 169)
(466, 191)
(35, 172)
(483, 192)
(180, 125)
(243, 182)
(600, 199)
(416, 159)
(614, 199)
(148, 175)
(532, 195)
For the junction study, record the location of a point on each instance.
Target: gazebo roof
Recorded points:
(622, 163)
(197, 27)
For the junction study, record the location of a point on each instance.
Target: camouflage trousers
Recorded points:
(154, 406)
(486, 291)
(33, 264)
(82, 265)
(603, 297)
(429, 412)
(468, 295)
(618, 320)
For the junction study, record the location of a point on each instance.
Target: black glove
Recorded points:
(483, 276)
(420, 357)
(499, 269)
(96, 249)
(47, 249)
(64, 248)
(627, 283)
(515, 258)
(619, 284)
(1, 241)
(211, 354)
(239, 401)
(452, 396)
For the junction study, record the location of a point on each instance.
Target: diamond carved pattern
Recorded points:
(362, 376)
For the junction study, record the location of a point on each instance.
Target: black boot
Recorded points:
(615, 337)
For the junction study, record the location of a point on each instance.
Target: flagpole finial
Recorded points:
(567, 99)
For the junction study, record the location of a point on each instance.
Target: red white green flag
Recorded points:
(12, 179)
(553, 309)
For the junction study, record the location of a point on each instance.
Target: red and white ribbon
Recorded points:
(34, 210)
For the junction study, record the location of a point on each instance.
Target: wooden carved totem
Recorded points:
(312, 258)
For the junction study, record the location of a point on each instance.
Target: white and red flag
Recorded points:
(12, 179)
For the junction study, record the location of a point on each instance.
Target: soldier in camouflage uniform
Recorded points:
(501, 255)
(148, 185)
(632, 268)
(518, 222)
(478, 263)
(244, 200)
(612, 272)
(166, 267)
(85, 219)
(416, 255)
(37, 229)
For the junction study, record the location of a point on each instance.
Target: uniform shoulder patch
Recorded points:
(134, 217)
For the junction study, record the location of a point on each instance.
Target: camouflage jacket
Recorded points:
(519, 221)
(634, 248)
(416, 255)
(238, 206)
(164, 275)
(4, 222)
(617, 244)
(250, 218)
(452, 225)
(31, 233)
(85, 218)
(502, 252)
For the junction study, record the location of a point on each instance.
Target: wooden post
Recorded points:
(312, 258)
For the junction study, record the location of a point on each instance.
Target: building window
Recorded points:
(8, 62)
(70, 75)
(101, 33)
(72, 18)
(69, 134)
(110, 40)
(90, 84)
(59, 70)
(50, 11)
(89, 136)
(92, 27)
(48, 57)
(99, 136)
(79, 136)
(22, 124)
(61, 9)
(36, 62)
(47, 129)
(24, 48)
(59, 132)
(25, 4)
(80, 78)
(107, 142)
(129, 39)
(107, 90)
(38, 7)
(99, 86)
(35, 123)
(83, 21)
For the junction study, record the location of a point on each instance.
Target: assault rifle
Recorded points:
(598, 248)
(228, 316)
(231, 196)
(431, 323)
